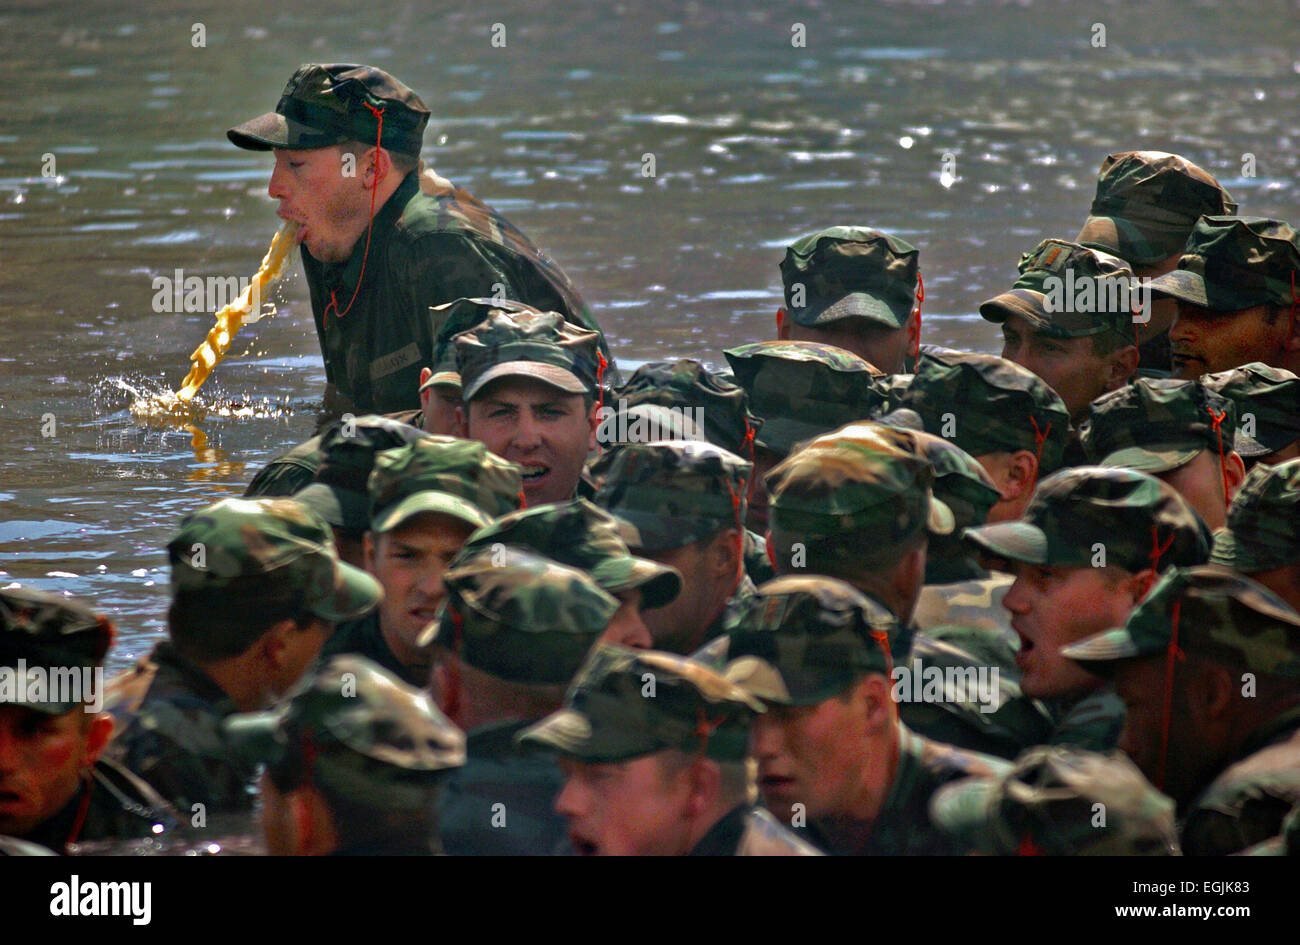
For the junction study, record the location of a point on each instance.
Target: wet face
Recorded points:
(540, 427)
(641, 807)
(1070, 366)
(42, 760)
(815, 755)
(1052, 607)
(333, 209)
(1205, 341)
(409, 561)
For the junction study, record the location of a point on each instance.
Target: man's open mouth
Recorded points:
(582, 846)
(535, 473)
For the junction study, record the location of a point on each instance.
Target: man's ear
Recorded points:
(705, 785)
(1138, 585)
(462, 418)
(782, 325)
(369, 553)
(1121, 365)
(426, 392)
(1214, 694)
(871, 693)
(378, 165)
(1022, 474)
(593, 424)
(1236, 470)
(101, 727)
(726, 553)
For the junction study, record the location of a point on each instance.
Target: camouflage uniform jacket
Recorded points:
(173, 739)
(749, 831)
(736, 605)
(1248, 801)
(757, 566)
(363, 637)
(903, 826)
(1093, 722)
(974, 603)
(424, 250)
(119, 807)
(496, 772)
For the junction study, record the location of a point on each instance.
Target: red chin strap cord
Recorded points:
(370, 226)
(1216, 422)
(1040, 437)
(1173, 655)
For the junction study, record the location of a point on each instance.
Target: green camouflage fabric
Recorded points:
(986, 404)
(43, 631)
(704, 401)
(358, 733)
(671, 493)
(338, 492)
(1221, 615)
(1092, 723)
(118, 806)
(806, 638)
(1233, 263)
(1068, 291)
(646, 423)
(1046, 805)
(894, 386)
(1248, 802)
(224, 550)
(583, 536)
(329, 104)
(520, 617)
(1158, 424)
(452, 318)
(171, 735)
(1261, 533)
(903, 827)
(1147, 203)
(850, 271)
(757, 566)
(502, 801)
(751, 831)
(425, 249)
(289, 473)
(625, 704)
(540, 345)
(1268, 406)
(802, 389)
(442, 474)
(860, 477)
(1134, 519)
(974, 603)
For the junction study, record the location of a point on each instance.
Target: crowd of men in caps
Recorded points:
(858, 595)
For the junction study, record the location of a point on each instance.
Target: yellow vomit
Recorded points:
(214, 347)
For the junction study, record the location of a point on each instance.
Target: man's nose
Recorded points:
(527, 434)
(764, 738)
(277, 188)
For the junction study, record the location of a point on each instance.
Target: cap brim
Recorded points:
(854, 305)
(658, 583)
(1154, 459)
(428, 501)
(339, 507)
(1125, 239)
(962, 809)
(1023, 302)
(251, 736)
(940, 521)
(1098, 653)
(1184, 285)
(551, 374)
(444, 378)
(273, 130)
(1015, 541)
(355, 593)
(570, 732)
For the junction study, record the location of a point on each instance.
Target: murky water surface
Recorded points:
(755, 141)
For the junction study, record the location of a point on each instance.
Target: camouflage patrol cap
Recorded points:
(338, 492)
(289, 473)
(224, 549)
(625, 704)
(356, 730)
(519, 616)
(1232, 263)
(802, 389)
(1146, 204)
(861, 476)
(989, 405)
(848, 271)
(329, 104)
(1262, 532)
(452, 318)
(581, 535)
(444, 474)
(1157, 424)
(960, 482)
(695, 392)
(540, 345)
(1069, 291)
(1046, 805)
(805, 638)
(646, 423)
(1269, 397)
(1139, 521)
(1208, 610)
(671, 493)
(40, 631)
